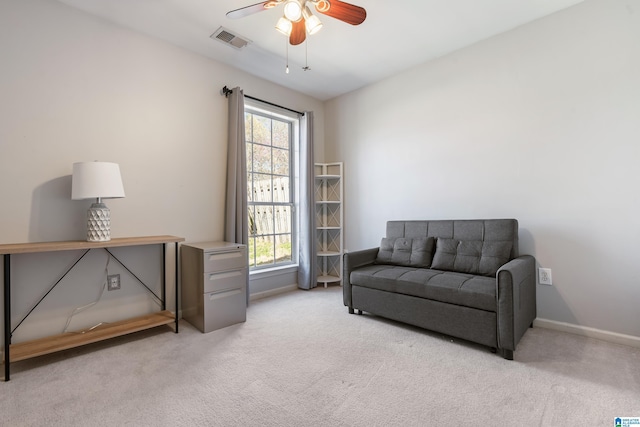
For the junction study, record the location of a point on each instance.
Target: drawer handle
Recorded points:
(228, 255)
(220, 276)
(225, 294)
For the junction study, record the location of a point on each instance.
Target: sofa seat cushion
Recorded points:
(454, 288)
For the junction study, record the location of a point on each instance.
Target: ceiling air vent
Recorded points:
(227, 37)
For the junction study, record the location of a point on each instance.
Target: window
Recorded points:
(271, 140)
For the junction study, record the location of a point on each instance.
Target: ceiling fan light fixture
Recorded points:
(322, 6)
(284, 26)
(311, 22)
(293, 10)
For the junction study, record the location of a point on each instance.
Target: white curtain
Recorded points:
(236, 220)
(307, 254)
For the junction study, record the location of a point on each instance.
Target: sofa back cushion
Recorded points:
(493, 238)
(471, 256)
(464, 229)
(406, 252)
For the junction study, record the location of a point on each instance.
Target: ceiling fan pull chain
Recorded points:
(287, 47)
(306, 56)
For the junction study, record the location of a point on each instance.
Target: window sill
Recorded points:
(274, 271)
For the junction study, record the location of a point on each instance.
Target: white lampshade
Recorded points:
(96, 180)
(284, 26)
(322, 6)
(293, 10)
(312, 22)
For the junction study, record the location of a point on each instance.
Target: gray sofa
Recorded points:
(462, 278)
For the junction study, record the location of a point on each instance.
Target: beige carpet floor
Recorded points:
(302, 360)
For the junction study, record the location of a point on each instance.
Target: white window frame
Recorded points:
(274, 113)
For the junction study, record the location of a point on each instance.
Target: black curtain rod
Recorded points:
(226, 91)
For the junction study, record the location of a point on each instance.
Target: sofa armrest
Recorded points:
(351, 261)
(516, 295)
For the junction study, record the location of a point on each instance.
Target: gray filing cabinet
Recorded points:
(214, 283)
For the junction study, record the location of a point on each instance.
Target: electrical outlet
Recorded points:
(113, 282)
(544, 276)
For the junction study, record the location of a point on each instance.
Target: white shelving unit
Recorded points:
(329, 221)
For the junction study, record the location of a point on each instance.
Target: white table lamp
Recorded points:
(97, 180)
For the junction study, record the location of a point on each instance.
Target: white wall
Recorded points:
(541, 124)
(75, 88)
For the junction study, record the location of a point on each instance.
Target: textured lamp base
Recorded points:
(98, 223)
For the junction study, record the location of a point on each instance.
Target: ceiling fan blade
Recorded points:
(250, 10)
(298, 33)
(349, 13)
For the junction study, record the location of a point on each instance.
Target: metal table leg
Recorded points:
(7, 315)
(176, 282)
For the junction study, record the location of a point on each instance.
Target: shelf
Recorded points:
(329, 187)
(46, 345)
(328, 279)
(25, 248)
(52, 344)
(328, 253)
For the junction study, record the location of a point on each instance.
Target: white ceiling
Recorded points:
(395, 36)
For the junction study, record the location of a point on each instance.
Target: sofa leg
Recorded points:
(350, 310)
(359, 311)
(507, 354)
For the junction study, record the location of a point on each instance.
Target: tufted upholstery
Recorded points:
(477, 288)
(450, 287)
(465, 229)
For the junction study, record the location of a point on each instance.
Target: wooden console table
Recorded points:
(46, 345)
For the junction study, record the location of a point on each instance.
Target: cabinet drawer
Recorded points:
(215, 282)
(222, 309)
(225, 260)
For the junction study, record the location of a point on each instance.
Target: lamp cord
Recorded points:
(78, 310)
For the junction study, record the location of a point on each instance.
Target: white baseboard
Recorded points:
(272, 292)
(613, 337)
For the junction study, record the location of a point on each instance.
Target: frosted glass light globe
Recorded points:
(293, 10)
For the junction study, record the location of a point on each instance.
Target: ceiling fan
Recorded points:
(298, 19)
